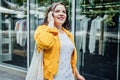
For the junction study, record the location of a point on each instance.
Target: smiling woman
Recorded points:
(60, 55)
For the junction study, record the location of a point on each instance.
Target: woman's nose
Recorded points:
(61, 13)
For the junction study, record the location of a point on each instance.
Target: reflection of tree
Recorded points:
(46, 3)
(68, 4)
(49, 2)
(42, 2)
(20, 2)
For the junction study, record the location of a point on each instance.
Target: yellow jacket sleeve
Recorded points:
(45, 37)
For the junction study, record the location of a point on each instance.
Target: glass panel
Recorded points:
(36, 18)
(13, 32)
(96, 35)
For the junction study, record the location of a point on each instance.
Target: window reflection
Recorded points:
(13, 36)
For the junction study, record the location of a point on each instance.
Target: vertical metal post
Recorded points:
(28, 33)
(73, 17)
(118, 50)
(0, 36)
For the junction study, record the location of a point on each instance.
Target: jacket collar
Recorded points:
(67, 32)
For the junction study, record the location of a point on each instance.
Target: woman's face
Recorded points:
(59, 15)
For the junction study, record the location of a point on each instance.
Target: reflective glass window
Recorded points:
(13, 33)
(97, 35)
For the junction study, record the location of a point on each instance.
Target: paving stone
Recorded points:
(7, 76)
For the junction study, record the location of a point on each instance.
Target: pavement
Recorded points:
(8, 76)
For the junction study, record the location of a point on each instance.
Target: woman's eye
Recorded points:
(57, 11)
(64, 11)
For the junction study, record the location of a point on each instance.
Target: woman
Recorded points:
(58, 44)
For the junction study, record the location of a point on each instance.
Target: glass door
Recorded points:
(36, 16)
(97, 39)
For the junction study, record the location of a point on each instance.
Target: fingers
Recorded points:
(50, 19)
(50, 16)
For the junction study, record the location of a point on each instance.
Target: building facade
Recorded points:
(95, 25)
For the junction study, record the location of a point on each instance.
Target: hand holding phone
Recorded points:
(50, 16)
(50, 19)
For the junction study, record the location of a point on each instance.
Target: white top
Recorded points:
(66, 49)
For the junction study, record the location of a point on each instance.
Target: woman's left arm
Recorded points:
(79, 76)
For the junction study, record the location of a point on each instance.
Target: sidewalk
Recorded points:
(7, 76)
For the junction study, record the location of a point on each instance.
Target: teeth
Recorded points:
(60, 18)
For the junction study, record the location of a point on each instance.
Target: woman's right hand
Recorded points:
(50, 16)
(50, 19)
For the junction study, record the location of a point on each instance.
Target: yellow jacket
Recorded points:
(47, 38)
